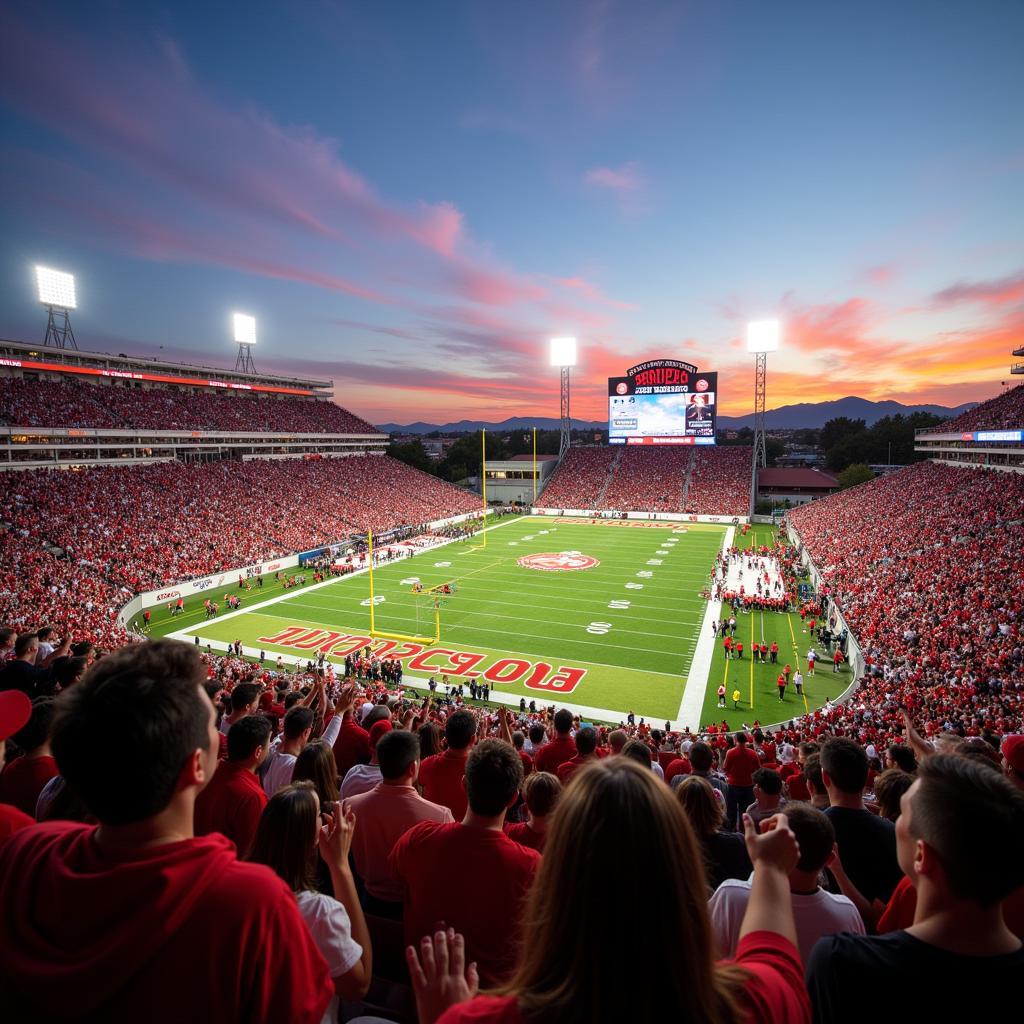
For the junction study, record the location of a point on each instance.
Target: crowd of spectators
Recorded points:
(579, 479)
(74, 547)
(227, 837)
(648, 480)
(653, 479)
(720, 482)
(53, 403)
(924, 565)
(1004, 412)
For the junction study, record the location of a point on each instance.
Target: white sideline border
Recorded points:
(700, 668)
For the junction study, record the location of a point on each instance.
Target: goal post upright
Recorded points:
(369, 541)
(483, 477)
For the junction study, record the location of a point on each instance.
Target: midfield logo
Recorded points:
(558, 561)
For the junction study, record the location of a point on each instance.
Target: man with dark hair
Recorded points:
(768, 798)
(24, 778)
(561, 748)
(586, 751)
(296, 729)
(69, 670)
(234, 800)
(441, 774)
(245, 700)
(702, 761)
(491, 874)
(99, 919)
(816, 911)
(867, 843)
(385, 814)
(21, 672)
(960, 837)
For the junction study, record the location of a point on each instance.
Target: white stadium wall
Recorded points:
(672, 517)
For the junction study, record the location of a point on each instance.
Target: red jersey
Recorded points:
(231, 804)
(521, 833)
(441, 777)
(11, 820)
(740, 765)
(352, 746)
(555, 753)
(489, 875)
(567, 769)
(680, 766)
(183, 931)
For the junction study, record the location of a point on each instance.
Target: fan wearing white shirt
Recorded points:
(296, 729)
(817, 912)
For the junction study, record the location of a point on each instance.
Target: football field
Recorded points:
(603, 615)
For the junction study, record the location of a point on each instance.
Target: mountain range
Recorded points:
(804, 415)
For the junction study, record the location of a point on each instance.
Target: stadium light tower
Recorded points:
(57, 294)
(245, 335)
(563, 355)
(762, 338)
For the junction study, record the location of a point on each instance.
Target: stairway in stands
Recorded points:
(687, 479)
(608, 479)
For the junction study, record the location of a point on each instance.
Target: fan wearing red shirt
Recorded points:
(441, 774)
(740, 764)
(234, 800)
(680, 766)
(561, 749)
(165, 927)
(489, 873)
(586, 747)
(352, 746)
(15, 711)
(23, 779)
(618, 819)
(541, 792)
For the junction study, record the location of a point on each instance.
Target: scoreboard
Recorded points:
(663, 401)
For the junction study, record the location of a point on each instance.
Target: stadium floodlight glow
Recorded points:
(56, 288)
(245, 329)
(563, 351)
(763, 336)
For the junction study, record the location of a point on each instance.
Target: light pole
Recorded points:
(563, 355)
(245, 335)
(762, 338)
(57, 294)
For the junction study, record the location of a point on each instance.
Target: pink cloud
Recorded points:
(624, 179)
(591, 292)
(1001, 292)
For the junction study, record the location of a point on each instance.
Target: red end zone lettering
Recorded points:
(533, 675)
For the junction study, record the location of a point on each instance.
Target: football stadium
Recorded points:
(360, 663)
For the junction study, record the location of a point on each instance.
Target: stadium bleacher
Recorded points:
(49, 403)
(715, 481)
(1005, 411)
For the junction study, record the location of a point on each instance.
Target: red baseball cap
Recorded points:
(1013, 750)
(377, 730)
(15, 711)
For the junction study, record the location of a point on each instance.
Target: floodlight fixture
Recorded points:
(763, 336)
(56, 288)
(563, 352)
(245, 329)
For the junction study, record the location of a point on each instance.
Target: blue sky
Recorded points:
(411, 198)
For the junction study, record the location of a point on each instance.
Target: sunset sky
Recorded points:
(412, 197)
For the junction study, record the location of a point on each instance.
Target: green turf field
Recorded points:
(618, 635)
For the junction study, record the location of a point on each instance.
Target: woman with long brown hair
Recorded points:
(618, 837)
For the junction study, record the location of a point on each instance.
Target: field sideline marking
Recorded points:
(700, 667)
(338, 579)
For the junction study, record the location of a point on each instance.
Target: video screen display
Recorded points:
(682, 410)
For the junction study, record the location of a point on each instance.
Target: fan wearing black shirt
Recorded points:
(960, 839)
(867, 843)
